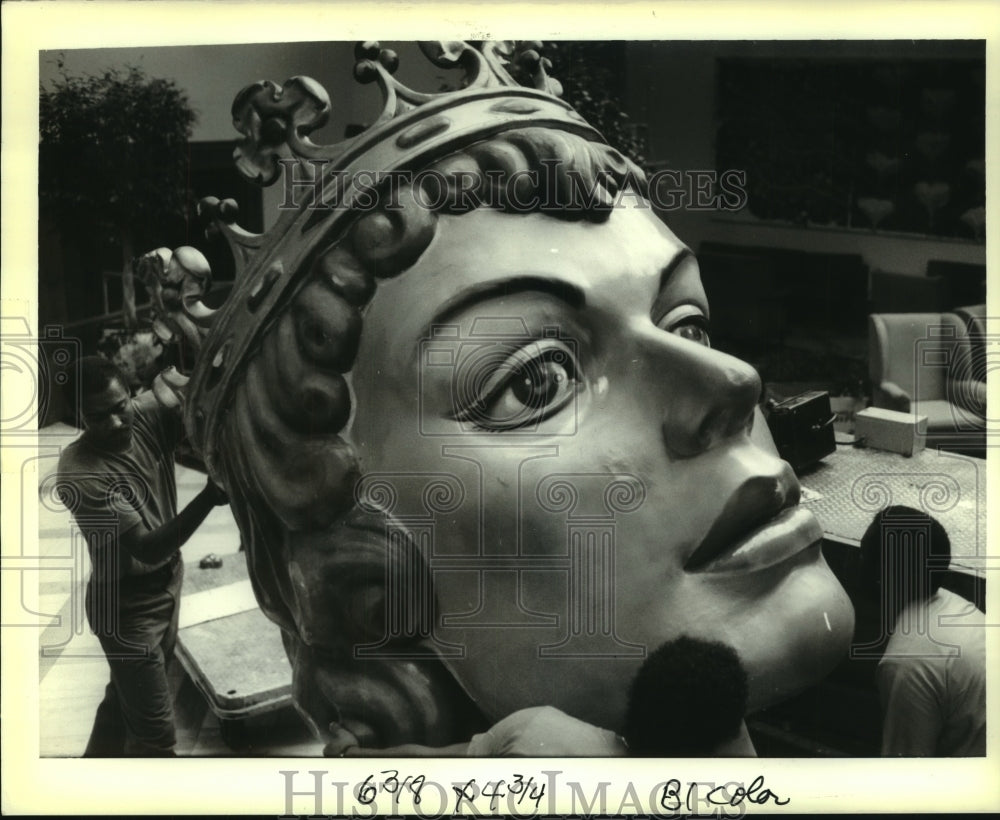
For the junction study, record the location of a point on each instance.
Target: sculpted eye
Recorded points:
(688, 322)
(504, 389)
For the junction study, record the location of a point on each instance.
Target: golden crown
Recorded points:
(413, 129)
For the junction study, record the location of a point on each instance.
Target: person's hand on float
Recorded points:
(545, 731)
(344, 743)
(341, 743)
(169, 386)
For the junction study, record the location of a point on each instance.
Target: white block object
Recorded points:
(897, 432)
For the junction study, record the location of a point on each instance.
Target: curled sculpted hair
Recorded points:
(291, 475)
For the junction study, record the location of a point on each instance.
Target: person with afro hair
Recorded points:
(932, 676)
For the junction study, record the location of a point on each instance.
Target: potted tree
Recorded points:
(113, 159)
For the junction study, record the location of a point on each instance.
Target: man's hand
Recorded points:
(341, 743)
(344, 743)
(545, 731)
(169, 387)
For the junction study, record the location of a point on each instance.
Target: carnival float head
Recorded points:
(481, 452)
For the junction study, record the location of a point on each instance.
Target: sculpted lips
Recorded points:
(760, 525)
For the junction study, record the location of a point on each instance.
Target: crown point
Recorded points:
(365, 71)
(367, 50)
(529, 58)
(207, 206)
(271, 117)
(229, 211)
(211, 209)
(389, 59)
(272, 131)
(444, 53)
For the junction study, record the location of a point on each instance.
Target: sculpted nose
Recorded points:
(712, 397)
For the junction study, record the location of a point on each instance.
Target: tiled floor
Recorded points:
(72, 668)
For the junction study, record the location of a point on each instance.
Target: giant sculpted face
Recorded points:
(560, 376)
(549, 473)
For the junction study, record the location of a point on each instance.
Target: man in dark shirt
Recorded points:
(118, 481)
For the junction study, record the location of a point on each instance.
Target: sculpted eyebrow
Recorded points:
(564, 291)
(672, 265)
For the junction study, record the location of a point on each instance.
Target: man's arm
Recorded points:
(159, 544)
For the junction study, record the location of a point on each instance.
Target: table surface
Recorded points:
(237, 661)
(854, 483)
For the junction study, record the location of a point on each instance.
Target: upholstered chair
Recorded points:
(921, 363)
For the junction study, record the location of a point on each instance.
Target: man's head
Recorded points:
(904, 553)
(105, 403)
(688, 697)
